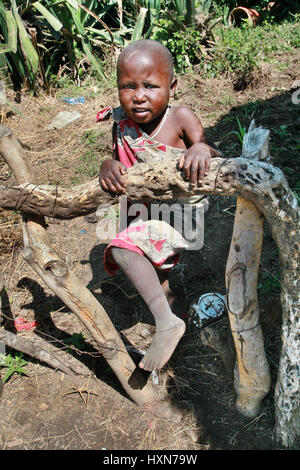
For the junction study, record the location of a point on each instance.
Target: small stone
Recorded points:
(63, 119)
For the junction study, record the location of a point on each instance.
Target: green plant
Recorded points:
(38, 34)
(46, 38)
(271, 284)
(236, 52)
(77, 340)
(282, 131)
(14, 364)
(251, 108)
(184, 44)
(241, 131)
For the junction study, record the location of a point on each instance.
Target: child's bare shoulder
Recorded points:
(184, 114)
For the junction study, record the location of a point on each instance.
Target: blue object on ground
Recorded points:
(76, 100)
(210, 308)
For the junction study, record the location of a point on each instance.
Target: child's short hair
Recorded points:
(146, 45)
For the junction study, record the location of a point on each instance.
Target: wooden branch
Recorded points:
(158, 181)
(34, 349)
(252, 376)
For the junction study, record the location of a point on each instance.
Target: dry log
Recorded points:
(230, 177)
(259, 182)
(34, 349)
(252, 376)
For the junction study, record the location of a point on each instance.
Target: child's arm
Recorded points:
(111, 171)
(196, 160)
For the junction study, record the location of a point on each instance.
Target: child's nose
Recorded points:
(139, 94)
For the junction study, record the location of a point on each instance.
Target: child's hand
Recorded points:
(110, 176)
(195, 162)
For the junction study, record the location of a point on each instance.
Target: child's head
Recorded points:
(145, 80)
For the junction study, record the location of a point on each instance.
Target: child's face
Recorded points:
(145, 86)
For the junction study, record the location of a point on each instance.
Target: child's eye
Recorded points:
(149, 85)
(129, 86)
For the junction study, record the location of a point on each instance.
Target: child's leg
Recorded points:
(163, 278)
(169, 328)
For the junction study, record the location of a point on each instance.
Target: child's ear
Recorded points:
(173, 87)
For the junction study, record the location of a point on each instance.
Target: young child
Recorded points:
(146, 126)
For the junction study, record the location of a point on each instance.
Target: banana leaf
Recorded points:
(12, 31)
(52, 20)
(86, 45)
(95, 62)
(73, 3)
(140, 23)
(28, 50)
(154, 9)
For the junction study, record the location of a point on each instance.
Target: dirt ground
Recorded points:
(47, 409)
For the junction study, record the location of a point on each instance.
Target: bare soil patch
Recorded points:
(50, 410)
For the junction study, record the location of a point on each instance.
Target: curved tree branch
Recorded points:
(155, 181)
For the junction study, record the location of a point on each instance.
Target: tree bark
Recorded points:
(155, 181)
(34, 349)
(261, 183)
(252, 376)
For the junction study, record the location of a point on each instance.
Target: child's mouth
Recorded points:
(140, 111)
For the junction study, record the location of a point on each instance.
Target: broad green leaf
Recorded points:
(180, 7)
(19, 64)
(76, 18)
(7, 375)
(52, 20)
(85, 14)
(27, 47)
(103, 33)
(95, 62)
(73, 3)
(12, 31)
(3, 14)
(140, 22)
(4, 73)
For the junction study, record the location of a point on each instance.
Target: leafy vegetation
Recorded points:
(14, 364)
(47, 40)
(76, 341)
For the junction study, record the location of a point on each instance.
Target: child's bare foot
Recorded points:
(164, 342)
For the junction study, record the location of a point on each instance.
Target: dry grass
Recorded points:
(10, 233)
(58, 156)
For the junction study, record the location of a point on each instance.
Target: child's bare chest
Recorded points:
(170, 134)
